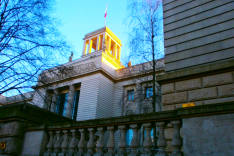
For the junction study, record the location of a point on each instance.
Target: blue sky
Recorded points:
(79, 17)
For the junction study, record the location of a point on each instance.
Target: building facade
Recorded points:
(195, 81)
(97, 85)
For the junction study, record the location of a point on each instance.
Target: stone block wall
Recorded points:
(216, 88)
(12, 134)
(208, 135)
(197, 32)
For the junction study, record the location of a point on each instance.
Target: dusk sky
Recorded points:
(79, 17)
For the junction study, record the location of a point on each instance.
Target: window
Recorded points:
(129, 136)
(151, 134)
(130, 95)
(61, 104)
(148, 92)
(75, 105)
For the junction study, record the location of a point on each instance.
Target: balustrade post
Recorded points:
(176, 141)
(100, 144)
(161, 143)
(57, 145)
(122, 141)
(135, 141)
(147, 144)
(73, 144)
(111, 141)
(81, 144)
(90, 144)
(65, 144)
(50, 144)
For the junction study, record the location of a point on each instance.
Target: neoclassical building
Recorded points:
(195, 94)
(95, 86)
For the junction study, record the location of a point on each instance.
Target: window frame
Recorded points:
(75, 105)
(148, 95)
(131, 92)
(61, 99)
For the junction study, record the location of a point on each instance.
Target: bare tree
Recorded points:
(146, 42)
(139, 79)
(29, 42)
(146, 35)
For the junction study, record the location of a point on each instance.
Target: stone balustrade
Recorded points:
(90, 139)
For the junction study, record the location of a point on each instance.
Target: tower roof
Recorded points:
(101, 31)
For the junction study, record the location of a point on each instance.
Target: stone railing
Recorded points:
(79, 138)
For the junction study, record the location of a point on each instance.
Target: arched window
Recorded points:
(129, 112)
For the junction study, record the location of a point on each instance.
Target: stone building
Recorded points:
(95, 86)
(195, 81)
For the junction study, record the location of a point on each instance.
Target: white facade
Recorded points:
(99, 77)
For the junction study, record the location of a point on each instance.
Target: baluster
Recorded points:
(147, 144)
(135, 142)
(100, 144)
(176, 142)
(57, 145)
(50, 144)
(111, 141)
(65, 143)
(81, 144)
(122, 141)
(162, 143)
(73, 143)
(90, 144)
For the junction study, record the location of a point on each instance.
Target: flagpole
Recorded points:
(105, 15)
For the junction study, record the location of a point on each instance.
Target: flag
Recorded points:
(105, 12)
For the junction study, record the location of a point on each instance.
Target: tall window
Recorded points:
(75, 105)
(130, 95)
(151, 135)
(61, 104)
(129, 136)
(148, 92)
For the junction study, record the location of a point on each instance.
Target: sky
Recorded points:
(79, 17)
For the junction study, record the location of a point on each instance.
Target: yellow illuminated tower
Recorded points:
(106, 41)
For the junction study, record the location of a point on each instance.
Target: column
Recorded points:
(65, 144)
(70, 101)
(162, 143)
(46, 104)
(139, 97)
(57, 145)
(114, 50)
(147, 144)
(90, 45)
(98, 43)
(122, 141)
(104, 44)
(109, 44)
(135, 141)
(81, 144)
(73, 143)
(50, 145)
(119, 53)
(111, 141)
(54, 100)
(90, 144)
(84, 47)
(176, 141)
(100, 144)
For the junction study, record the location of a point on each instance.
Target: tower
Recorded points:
(106, 41)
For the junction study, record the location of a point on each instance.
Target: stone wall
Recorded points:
(211, 89)
(197, 32)
(12, 134)
(209, 135)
